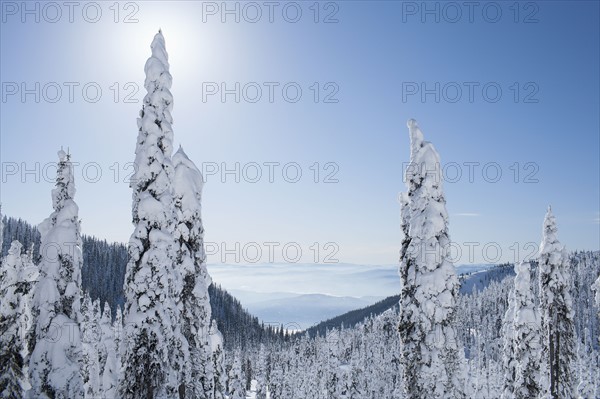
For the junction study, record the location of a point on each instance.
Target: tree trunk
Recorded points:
(557, 364)
(551, 362)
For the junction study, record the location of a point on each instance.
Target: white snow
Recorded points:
(56, 300)
(428, 279)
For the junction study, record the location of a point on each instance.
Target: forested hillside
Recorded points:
(264, 351)
(103, 274)
(347, 360)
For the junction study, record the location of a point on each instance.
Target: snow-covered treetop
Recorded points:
(60, 266)
(553, 258)
(159, 52)
(60, 232)
(65, 184)
(424, 160)
(424, 180)
(416, 137)
(187, 193)
(155, 138)
(158, 79)
(187, 185)
(9, 273)
(550, 243)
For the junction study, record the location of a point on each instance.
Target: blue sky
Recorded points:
(543, 56)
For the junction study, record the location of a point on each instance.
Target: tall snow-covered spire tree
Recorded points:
(527, 337)
(194, 303)
(55, 360)
(556, 305)
(431, 356)
(154, 346)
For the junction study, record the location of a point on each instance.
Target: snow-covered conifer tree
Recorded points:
(11, 334)
(109, 370)
(332, 367)
(154, 353)
(194, 303)
(597, 297)
(508, 354)
(54, 363)
(556, 308)
(261, 377)
(236, 387)
(430, 353)
(89, 343)
(585, 388)
(27, 279)
(118, 332)
(527, 337)
(107, 336)
(219, 376)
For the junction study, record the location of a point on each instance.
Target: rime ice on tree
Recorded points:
(236, 388)
(508, 355)
(526, 339)
(194, 304)
(54, 364)
(12, 379)
(155, 349)
(596, 288)
(556, 308)
(18, 275)
(90, 337)
(430, 354)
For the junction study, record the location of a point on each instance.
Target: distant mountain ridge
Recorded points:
(472, 278)
(333, 289)
(300, 312)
